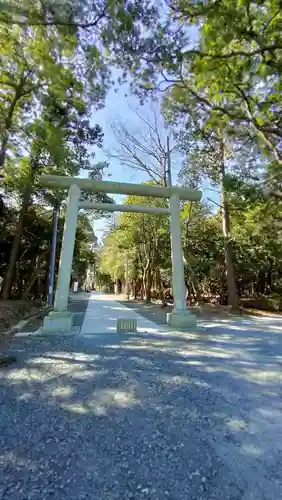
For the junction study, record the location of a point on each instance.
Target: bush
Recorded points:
(271, 303)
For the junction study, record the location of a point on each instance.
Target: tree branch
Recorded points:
(54, 22)
(143, 150)
(259, 129)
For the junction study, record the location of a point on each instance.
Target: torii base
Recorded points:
(58, 322)
(181, 320)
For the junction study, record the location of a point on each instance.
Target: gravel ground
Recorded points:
(117, 417)
(76, 305)
(157, 313)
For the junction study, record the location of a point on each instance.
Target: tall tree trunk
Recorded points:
(119, 286)
(160, 286)
(144, 284)
(142, 293)
(33, 275)
(194, 284)
(46, 282)
(226, 230)
(261, 283)
(148, 282)
(269, 281)
(10, 272)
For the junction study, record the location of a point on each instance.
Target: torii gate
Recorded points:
(60, 319)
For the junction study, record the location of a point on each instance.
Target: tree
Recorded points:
(146, 240)
(232, 65)
(148, 148)
(112, 256)
(32, 62)
(240, 55)
(209, 160)
(84, 255)
(256, 239)
(256, 223)
(211, 153)
(205, 270)
(54, 146)
(104, 31)
(43, 44)
(56, 67)
(31, 277)
(45, 104)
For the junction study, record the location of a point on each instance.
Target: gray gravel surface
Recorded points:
(153, 312)
(117, 417)
(77, 305)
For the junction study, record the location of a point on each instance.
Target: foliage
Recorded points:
(105, 32)
(219, 67)
(256, 239)
(44, 120)
(148, 148)
(227, 57)
(144, 239)
(33, 259)
(84, 256)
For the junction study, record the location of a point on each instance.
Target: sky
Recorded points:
(120, 106)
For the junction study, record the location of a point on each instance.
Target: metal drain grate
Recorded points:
(126, 325)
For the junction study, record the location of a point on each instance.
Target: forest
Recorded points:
(214, 68)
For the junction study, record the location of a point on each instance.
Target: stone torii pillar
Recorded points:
(60, 320)
(180, 317)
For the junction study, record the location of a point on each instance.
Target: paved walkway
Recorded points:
(154, 415)
(102, 314)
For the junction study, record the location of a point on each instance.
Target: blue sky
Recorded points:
(121, 106)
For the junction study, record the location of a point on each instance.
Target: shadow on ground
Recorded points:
(152, 416)
(77, 305)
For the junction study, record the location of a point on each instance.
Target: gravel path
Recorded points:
(77, 305)
(117, 417)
